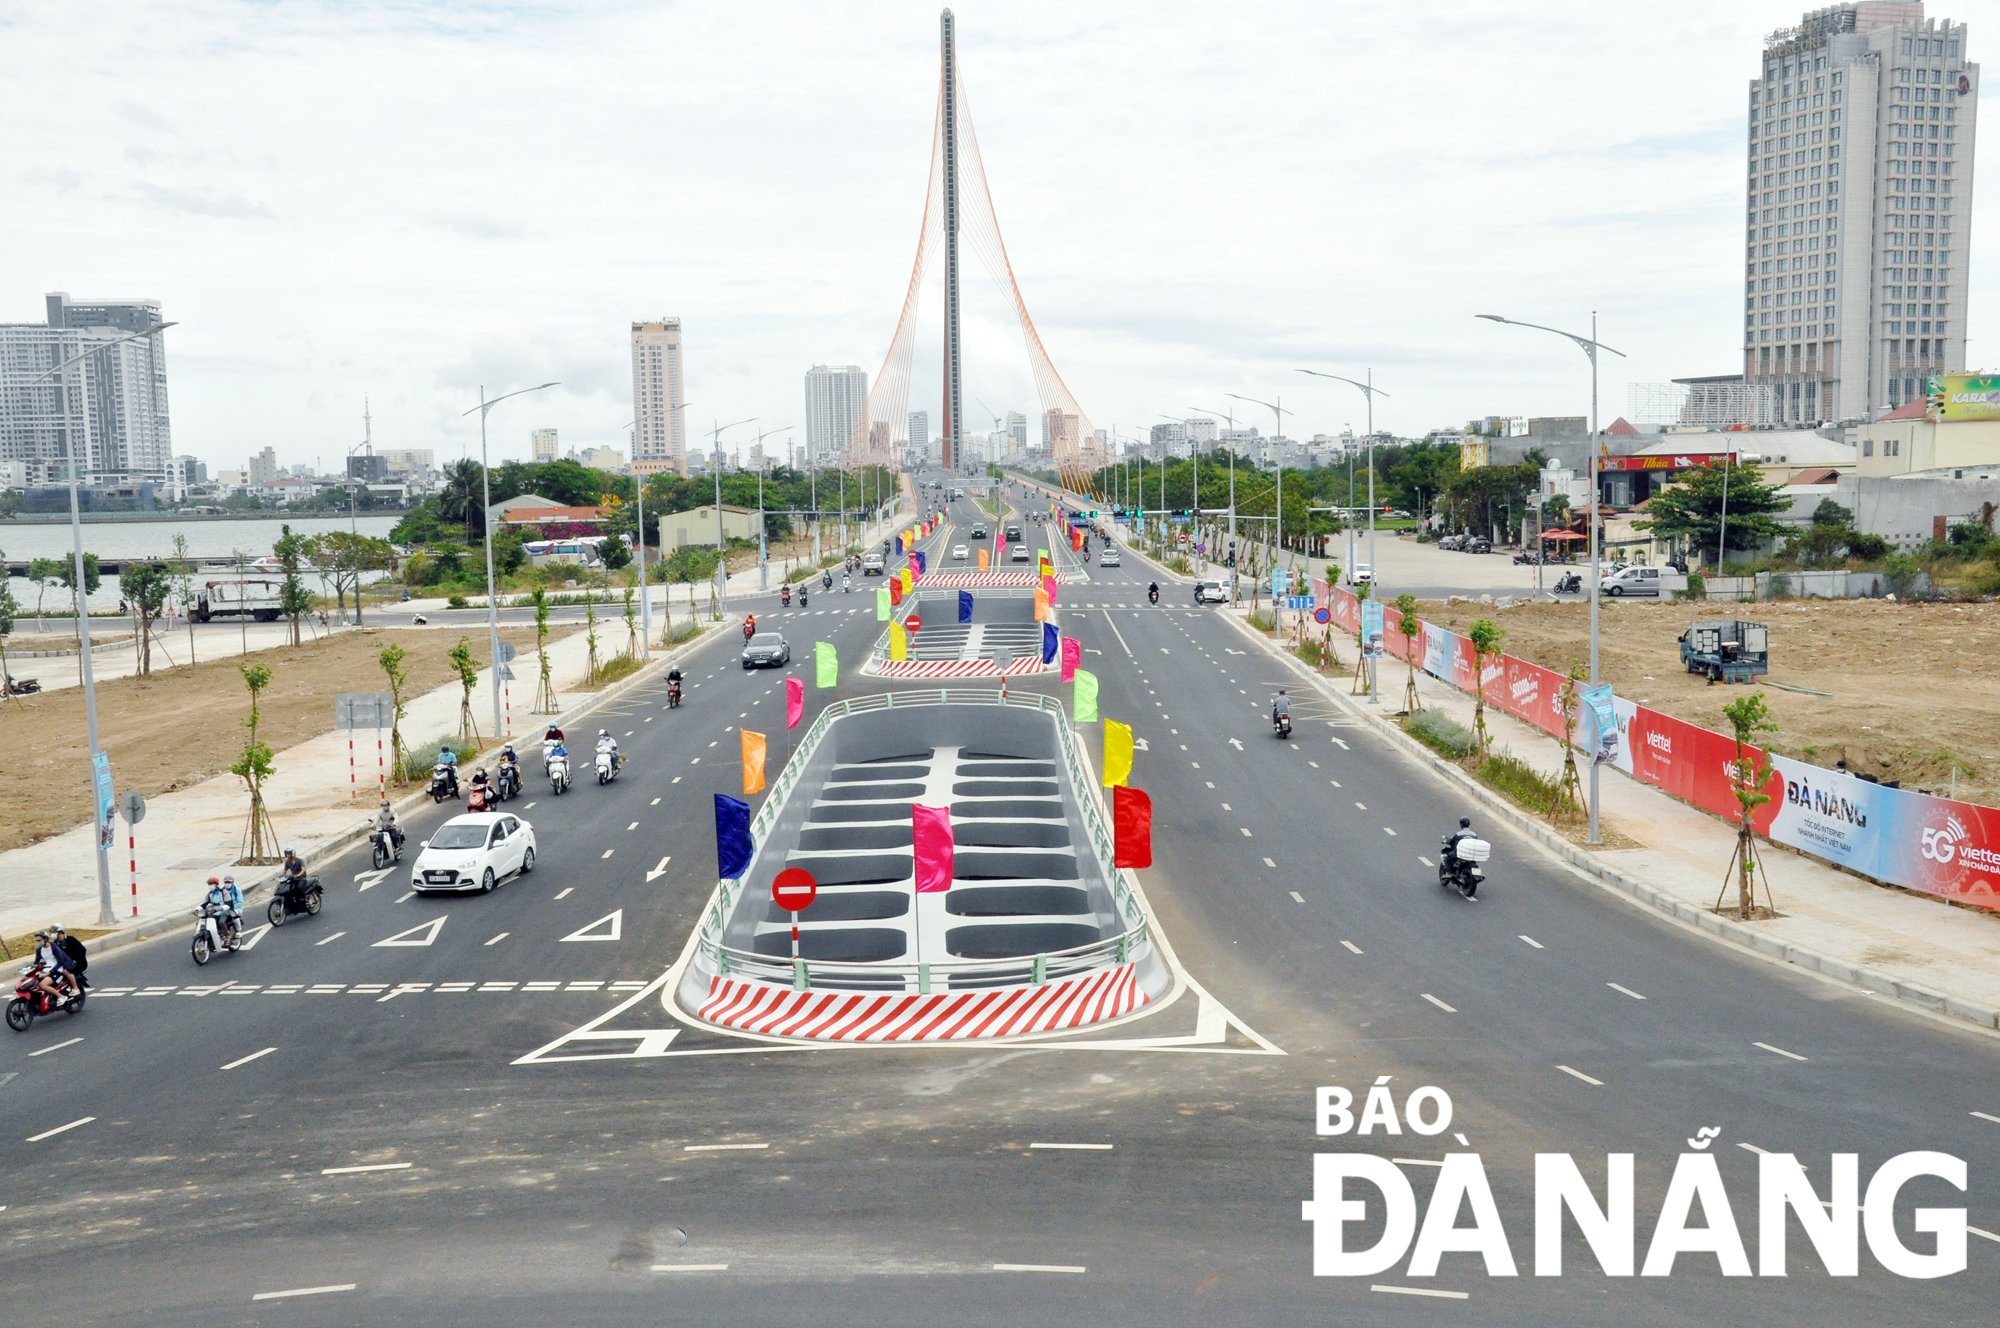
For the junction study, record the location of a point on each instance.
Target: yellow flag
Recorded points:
(1117, 753)
(1041, 604)
(982, 560)
(899, 641)
(907, 582)
(753, 761)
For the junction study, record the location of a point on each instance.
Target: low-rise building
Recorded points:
(695, 528)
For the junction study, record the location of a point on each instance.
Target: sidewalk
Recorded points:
(1893, 941)
(197, 832)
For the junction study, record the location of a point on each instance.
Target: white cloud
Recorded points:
(410, 201)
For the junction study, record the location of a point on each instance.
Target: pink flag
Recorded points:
(795, 702)
(1072, 655)
(1049, 584)
(930, 835)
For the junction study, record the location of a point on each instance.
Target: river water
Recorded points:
(216, 541)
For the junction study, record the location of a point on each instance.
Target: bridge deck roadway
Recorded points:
(903, 1187)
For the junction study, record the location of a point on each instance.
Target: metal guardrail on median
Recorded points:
(729, 961)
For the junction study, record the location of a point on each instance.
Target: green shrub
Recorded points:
(1263, 621)
(1442, 735)
(618, 666)
(1309, 651)
(1520, 781)
(455, 602)
(1697, 587)
(683, 631)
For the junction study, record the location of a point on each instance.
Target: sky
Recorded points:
(409, 201)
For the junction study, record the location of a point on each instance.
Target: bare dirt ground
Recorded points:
(1915, 694)
(183, 725)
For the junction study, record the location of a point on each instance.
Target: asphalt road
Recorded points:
(902, 1186)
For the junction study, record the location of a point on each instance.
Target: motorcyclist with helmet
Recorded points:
(1452, 842)
(385, 819)
(1153, 592)
(607, 743)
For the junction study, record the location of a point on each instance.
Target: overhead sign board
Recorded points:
(364, 710)
(1961, 398)
(1663, 461)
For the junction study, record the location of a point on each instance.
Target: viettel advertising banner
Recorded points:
(1967, 396)
(1909, 839)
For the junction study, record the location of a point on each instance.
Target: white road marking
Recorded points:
(1448, 1009)
(1313, 764)
(1269, 863)
(1420, 1291)
(1983, 1116)
(50, 1134)
(303, 1291)
(1627, 990)
(1334, 782)
(632, 827)
(1209, 782)
(655, 803)
(1984, 1234)
(590, 933)
(528, 807)
(1790, 1055)
(1038, 1268)
(336, 936)
(1081, 1148)
(566, 889)
(429, 933)
(1529, 939)
(408, 895)
(57, 1047)
(1752, 1148)
(501, 937)
(607, 853)
(1352, 946)
(1362, 805)
(1415, 1162)
(691, 1267)
(722, 1148)
(373, 1166)
(1343, 746)
(1387, 830)
(1297, 896)
(1579, 1074)
(251, 1057)
(677, 778)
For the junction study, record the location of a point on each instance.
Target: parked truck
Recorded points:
(238, 597)
(1727, 650)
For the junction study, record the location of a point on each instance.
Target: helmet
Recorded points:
(231, 880)
(508, 748)
(1465, 822)
(215, 880)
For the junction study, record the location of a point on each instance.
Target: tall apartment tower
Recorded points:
(112, 407)
(1860, 196)
(920, 431)
(659, 432)
(834, 401)
(1017, 433)
(543, 444)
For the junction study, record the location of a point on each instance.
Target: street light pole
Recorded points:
(1370, 391)
(486, 523)
(105, 917)
(721, 544)
(1589, 345)
(1278, 413)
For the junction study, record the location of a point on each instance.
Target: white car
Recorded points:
(958, 553)
(1109, 558)
(1362, 575)
(474, 852)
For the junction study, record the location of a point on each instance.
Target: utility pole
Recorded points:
(953, 385)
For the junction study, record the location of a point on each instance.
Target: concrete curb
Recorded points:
(257, 890)
(1727, 930)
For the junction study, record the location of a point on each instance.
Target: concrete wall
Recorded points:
(1904, 511)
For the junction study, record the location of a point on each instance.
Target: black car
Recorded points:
(766, 650)
(978, 532)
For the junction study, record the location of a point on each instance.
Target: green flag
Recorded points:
(827, 662)
(1086, 697)
(882, 604)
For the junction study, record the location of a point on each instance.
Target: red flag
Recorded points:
(795, 702)
(930, 837)
(895, 590)
(1132, 827)
(1075, 538)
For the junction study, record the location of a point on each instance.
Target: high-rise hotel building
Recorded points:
(1861, 149)
(659, 433)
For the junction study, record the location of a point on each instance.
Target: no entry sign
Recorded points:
(794, 889)
(913, 623)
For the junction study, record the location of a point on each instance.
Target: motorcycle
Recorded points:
(478, 798)
(386, 847)
(846, 584)
(1153, 594)
(673, 696)
(558, 772)
(444, 782)
(22, 686)
(293, 898)
(29, 1001)
(785, 596)
(506, 781)
(1282, 726)
(1570, 584)
(749, 630)
(826, 580)
(214, 930)
(607, 765)
(1459, 869)
(802, 597)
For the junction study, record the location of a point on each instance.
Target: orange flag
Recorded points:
(982, 560)
(1041, 605)
(753, 762)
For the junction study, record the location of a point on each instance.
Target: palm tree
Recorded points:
(462, 499)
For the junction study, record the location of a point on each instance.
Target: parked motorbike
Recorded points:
(22, 686)
(506, 781)
(295, 898)
(387, 848)
(444, 782)
(1459, 869)
(215, 930)
(29, 1001)
(607, 767)
(558, 772)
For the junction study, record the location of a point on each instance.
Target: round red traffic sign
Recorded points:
(1322, 615)
(913, 623)
(794, 888)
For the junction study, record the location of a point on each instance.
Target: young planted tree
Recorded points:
(590, 640)
(146, 587)
(1569, 704)
(292, 551)
(1486, 637)
(66, 575)
(545, 689)
(1410, 626)
(8, 610)
(1748, 717)
(253, 767)
(468, 678)
(44, 572)
(631, 626)
(183, 582)
(391, 660)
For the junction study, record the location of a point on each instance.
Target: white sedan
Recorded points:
(474, 852)
(958, 553)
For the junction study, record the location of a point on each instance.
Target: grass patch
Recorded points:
(1263, 621)
(683, 631)
(618, 666)
(1309, 652)
(1527, 786)
(1441, 735)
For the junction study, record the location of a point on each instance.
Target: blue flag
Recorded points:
(1050, 637)
(923, 564)
(965, 606)
(732, 837)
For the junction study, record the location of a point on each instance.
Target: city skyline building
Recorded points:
(659, 433)
(543, 444)
(124, 388)
(1861, 138)
(835, 398)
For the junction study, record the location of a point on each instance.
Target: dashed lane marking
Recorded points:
(565, 891)
(1387, 831)
(1039, 1268)
(1627, 990)
(501, 937)
(690, 1267)
(1579, 1074)
(1448, 1009)
(255, 1055)
(1983, 1116)
(372, 1166)
(303, 1291)
(1352, 946)
(60, 1129)
(1269, 863)
(1529, 939)
(1297, 896)
(57, 1047)
(336, 936)
(1419, 1291)
(722, 1148)
(1780, 1051)
(1080, 1148)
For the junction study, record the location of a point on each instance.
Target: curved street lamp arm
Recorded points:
(101, 345)
(1371, 391)
(1585, 344)
(494, 401)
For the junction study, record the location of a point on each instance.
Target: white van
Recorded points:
(1655, 581)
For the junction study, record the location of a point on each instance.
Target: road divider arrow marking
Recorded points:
(660, 870)
(1237, 743)
(374, 878)
(254, 935)
(424, 933)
